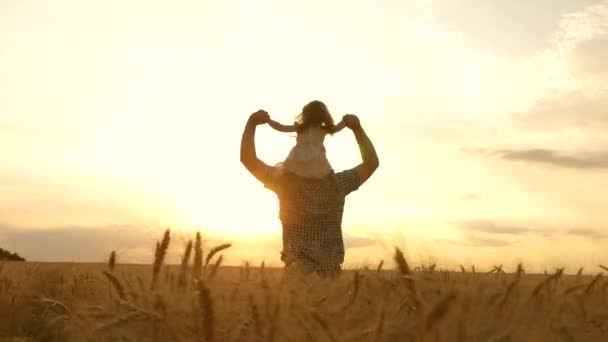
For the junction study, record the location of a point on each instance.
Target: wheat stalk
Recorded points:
(207, 312)
(325, 326)
(159, 257)
(440, 310)
(407, 276)
(183, 270)
(355, 291)
(554, 277)
(112, 261)
(198, 257)
(589, 287)
(379, 331)
(402, 264)
(116, 284)
(216, 266)
(512, 285)
(255, 318)
(216, 250)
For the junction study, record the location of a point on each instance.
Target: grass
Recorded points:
(200, 300)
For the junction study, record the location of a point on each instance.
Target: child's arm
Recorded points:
(338, 127)
(282, 128)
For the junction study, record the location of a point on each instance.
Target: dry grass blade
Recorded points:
(116, 284)
(543, 284)
(580, 272)
(592, 283)
(207, 313)
(216, 266)
(55, 303)
(604, 267)
(246, 271)
(258, 327)
(440, 310)
(512, 285)
(355, 291)
(325, 326)
(380, 265)
(379, 328)
(112, 261)
(118, 321)
(216, 250)
(274, 323)
(565, 333)
(574, 289)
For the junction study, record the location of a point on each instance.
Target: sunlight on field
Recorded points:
(387, 301)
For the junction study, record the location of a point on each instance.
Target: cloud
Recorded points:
(582, 110)
(76, 243)
(133, 244)
(586, 161)
(581, 50)
(490, 25)
(586, 233)
(351, 241)
(485, 233)
(479, 242)
(489, 227)
(470, 197)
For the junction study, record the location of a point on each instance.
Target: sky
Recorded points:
(119, 119)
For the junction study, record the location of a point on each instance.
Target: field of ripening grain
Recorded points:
(203, 301)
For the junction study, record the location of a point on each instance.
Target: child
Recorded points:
(307, 158)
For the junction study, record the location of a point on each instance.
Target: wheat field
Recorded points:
(200, 300)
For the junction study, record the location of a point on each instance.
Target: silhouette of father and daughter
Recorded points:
(311, 195)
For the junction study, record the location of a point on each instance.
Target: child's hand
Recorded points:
(260, 117)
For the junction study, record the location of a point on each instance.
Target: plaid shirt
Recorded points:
(311, 214)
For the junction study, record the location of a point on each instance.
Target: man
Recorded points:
(310, 209)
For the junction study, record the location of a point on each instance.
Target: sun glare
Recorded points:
(180, 137)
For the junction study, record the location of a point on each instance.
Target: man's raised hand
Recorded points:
(351, 121)
(260, 117)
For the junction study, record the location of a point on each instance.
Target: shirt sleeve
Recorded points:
(348, 181)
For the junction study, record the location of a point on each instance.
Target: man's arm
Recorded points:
(366, 147)
(248, 153)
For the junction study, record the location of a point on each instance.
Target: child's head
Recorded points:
(313, 114)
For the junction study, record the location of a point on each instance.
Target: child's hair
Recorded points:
(315, 113)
